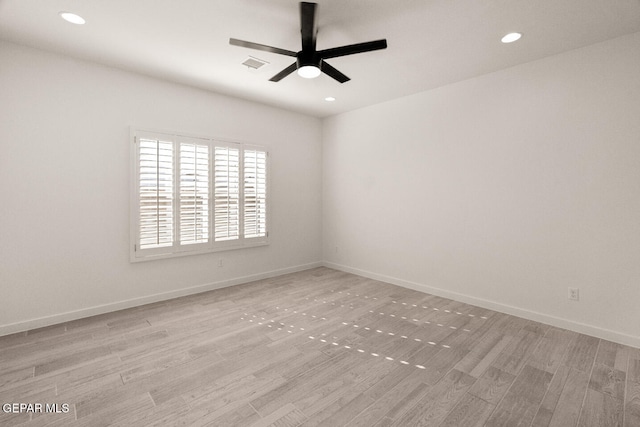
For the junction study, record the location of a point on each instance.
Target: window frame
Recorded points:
(176, 249)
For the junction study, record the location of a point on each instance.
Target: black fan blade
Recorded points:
(332, 72)
(284, 73)
(353, 48)
(264, 47)
(308, 27)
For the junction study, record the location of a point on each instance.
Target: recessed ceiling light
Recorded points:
(72, 17)
(511, 37)
(329, 99)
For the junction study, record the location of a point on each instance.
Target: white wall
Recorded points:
(502, 190)
(64, 187)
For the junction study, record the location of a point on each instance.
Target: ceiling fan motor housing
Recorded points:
(304, 59)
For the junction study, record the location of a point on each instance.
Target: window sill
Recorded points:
(138, 257)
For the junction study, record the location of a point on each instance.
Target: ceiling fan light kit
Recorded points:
(309, 71)
(310, 63)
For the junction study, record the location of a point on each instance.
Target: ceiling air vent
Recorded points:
(254, 63)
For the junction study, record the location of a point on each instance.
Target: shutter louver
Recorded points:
(255, 193)
(226, 193)
(155, 193)
(194, 193)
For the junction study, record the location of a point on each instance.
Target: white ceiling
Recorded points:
(431, 42)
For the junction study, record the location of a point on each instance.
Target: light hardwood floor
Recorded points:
(319, 347)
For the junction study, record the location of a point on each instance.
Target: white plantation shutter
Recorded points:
(155, 180)
(255, 193)
(194, 193)
(226, 193)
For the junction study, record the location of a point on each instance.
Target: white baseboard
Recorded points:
(135, 302)
(582, 328)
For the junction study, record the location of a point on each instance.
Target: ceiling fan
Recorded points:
(309, 61)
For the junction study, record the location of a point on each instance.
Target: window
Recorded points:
(194, 195)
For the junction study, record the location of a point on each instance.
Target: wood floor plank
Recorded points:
(613, 355)
(286, 416)
(633, 372)
(238, 391)
(317, 347)
(18, 375)
(341, 411)
(515, 355)
(159, 415)
(551, 350)
(567, 409)
(156, 363)
(550, 401)
(389, 382)
(632, 405)
(317, 382)
(440, 399)
(43, 349)
(492, 385)
(414, 393)
(608, 380)
(486, 361)
(523, 399)
(30, 392)
(581, 353)
(471, 411)
(343, 388)
(112, 410)
(440, 364)
(601, 410)
(483, 353)
(297, 364)
(52, 419)
(244, 415)
(129, 341)
(14, 419)
(385, 422)
(393, 398)
(198, 381)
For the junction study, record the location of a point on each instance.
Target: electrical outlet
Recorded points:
(221, 262)
(574, 294)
